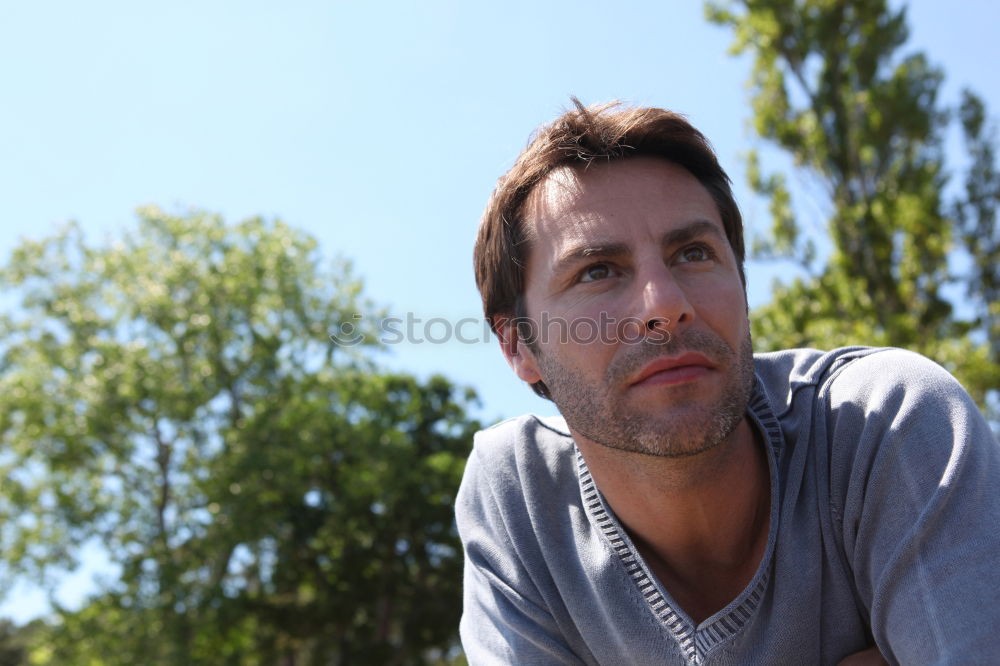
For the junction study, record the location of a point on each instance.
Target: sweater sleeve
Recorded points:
(915, 477)
(504, 619)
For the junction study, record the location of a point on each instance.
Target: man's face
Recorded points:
(644, 341)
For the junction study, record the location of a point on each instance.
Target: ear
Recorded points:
(518, 354)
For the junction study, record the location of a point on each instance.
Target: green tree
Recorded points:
(977, 214)
(12, 648)
(832, 89)
(268, 496)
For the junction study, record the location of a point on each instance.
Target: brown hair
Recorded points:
(578, 137)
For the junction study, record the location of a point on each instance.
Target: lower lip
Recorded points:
(679, 375)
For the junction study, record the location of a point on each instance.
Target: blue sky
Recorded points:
(380, 128)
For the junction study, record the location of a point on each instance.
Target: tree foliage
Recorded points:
(13, 651)
(267, 496)
(863, 121)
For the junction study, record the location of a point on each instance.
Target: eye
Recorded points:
(596, 272)
(695, 253)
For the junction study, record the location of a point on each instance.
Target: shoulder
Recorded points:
(893, 384)
(863, 386)
(519, 449)
(518, 463)
(527, 435)
(857, 371)
(898, 417)
(858, 402)
(784, 374)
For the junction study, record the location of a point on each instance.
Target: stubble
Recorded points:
(690, 424)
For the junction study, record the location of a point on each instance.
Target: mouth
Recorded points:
(677, 370)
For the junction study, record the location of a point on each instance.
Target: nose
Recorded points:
(663, 304)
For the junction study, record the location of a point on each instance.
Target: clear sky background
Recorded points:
(379, 128)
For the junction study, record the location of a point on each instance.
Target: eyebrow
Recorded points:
(688, 232)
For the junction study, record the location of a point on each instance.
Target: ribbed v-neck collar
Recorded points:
(695, 641)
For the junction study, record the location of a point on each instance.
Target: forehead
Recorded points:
(627, 201)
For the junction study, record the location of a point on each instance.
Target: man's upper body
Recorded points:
(610, 261)
(879, 481)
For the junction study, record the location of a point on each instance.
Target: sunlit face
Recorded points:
(636, 248)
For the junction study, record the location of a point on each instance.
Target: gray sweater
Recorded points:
(885, 527)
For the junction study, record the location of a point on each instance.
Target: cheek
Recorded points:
(726, 311)
(575, 349)
(583, 320)
(594, 319)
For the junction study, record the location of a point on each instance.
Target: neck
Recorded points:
(701, 522)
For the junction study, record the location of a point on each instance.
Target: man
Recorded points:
(698, 504)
